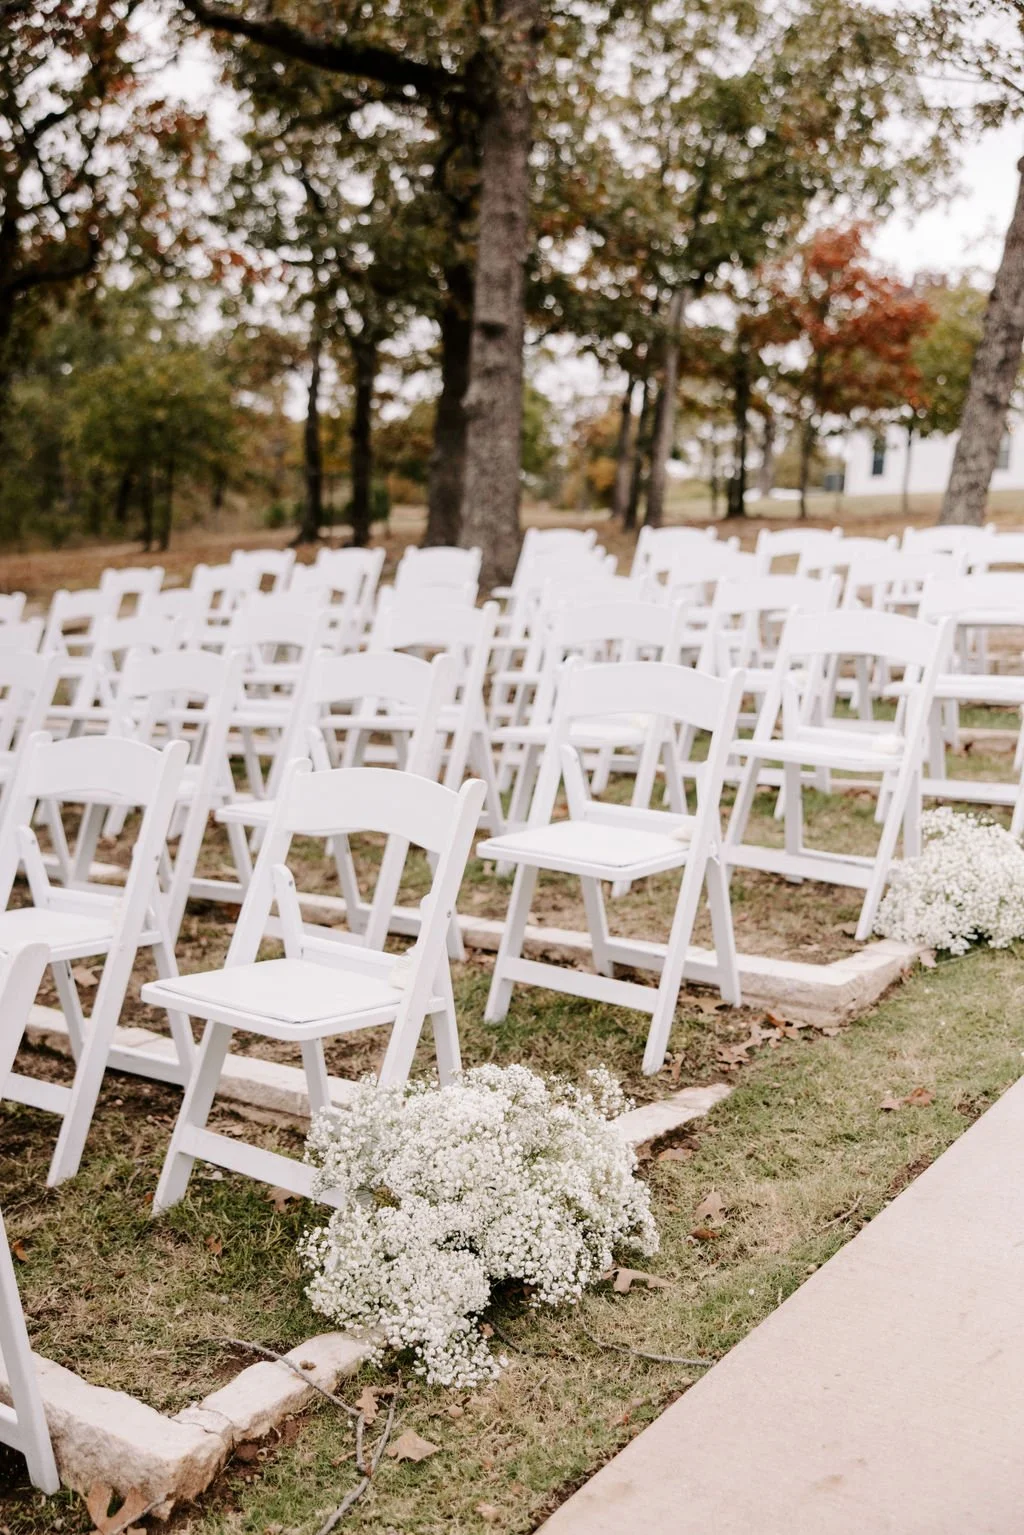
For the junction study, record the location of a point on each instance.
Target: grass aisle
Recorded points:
(800, 1155)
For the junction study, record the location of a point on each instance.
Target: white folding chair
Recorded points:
(24, 634)
(342, 569)
(801, 700)
(800, 544)
(134, 583)
(12, 607)
(451, 574)
(73, 619)
(324, 986)
(23, 1423)
(267, 569)
(217, 592)
(952, 537)
(92, 921)
(466, 635)
(659, 549)
(622, 843)
(394, 694)
(278, 641)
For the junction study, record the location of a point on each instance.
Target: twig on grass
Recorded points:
(352, 1498)
(640, 1353)
(837, 1220)
(269, 1353)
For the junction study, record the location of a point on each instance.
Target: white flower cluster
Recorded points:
(447, 1191)
(966, 887)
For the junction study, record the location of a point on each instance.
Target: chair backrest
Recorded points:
(404, 807)
(26, 691)
(12, 607)
(698, 570)
(951, 537)
(427, 625)
(115, 637)
(786, 543)
(657, 549)
(88, 770)
(669, 695)
(605, 633)
(23, 1424)
(373, 683)
(73, 618)
(24, 634)
(845, 552)
(220, 589)
(263, 628)
(996, 552)
(740, 611)
(990, 597)
(273, 566)
(186, 696)
(896, 577)
(135, 581)
(439, 567)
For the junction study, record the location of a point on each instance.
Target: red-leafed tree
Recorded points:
(849, 330)
(91, 165)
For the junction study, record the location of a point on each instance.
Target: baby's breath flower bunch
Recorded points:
(966, 887)
(446, 1191)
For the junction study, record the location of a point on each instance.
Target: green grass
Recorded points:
(800, 1144)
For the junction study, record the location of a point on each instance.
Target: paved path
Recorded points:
(885, 1397)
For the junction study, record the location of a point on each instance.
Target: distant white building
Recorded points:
(876, 463)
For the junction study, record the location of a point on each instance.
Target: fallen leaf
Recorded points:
(84, 975)
(918, 1098)
(711, 1210)
(643, 1152)
(623, 1279)
(215, 1245)
(410, 1446)
(18, 1250)
(675, 1154)
(247, 1451)
(455, 1411)
(488, 1513)
(705, 1234)
(927, 959)
(281, 1199)
(848, 929)
(367, 1405)
(98, 1500)
(486, 1330)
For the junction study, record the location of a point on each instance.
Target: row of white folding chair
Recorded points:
(23, 1423)
(543, 543)
(658, 550)
(12, 607)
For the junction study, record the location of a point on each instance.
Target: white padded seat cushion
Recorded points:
(287, 990)
(60, 929)
(616, 847)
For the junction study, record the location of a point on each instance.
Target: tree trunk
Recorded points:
(168, 517)
(808, 436)
(736, 500)
(714, 482)
(494, 401)
(905, 490)
(665, 422)
(147, 508)
(993, 374)
(636, 483)
(364, 355)
(766, 473)
(124, 496)
(312, 448)
(448, 459)
(623, 457)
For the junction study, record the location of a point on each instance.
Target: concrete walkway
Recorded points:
(886, 1395)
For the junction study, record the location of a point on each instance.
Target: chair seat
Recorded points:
(829, 749)
(246, 812)
(281, 998)
(69, 935)
(587, 848)
(629, 730)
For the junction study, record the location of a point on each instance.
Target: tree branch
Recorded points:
(334, 54)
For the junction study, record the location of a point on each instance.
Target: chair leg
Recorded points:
(85, 1089)
(675, 961)
(446, 1029)
(723, 933)
(180, 1027)
(317, 1082)
(195, 1111)
(511, 946)
(908, 784)
(597, 922)
(70, 1006)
